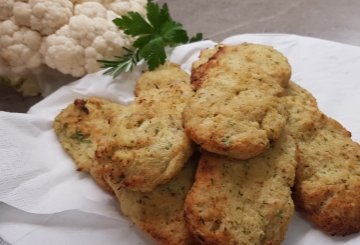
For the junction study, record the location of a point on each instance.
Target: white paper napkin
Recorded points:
(45, 201)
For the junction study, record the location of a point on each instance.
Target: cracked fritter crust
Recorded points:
(236, 110)
(327, 188)
(160, 212)
(243, 201)
(143, 144)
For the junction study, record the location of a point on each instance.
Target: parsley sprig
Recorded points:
(152, 34)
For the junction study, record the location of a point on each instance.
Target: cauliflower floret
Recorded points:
(45, 16)
(6, 7)
(75, 47)
(19, 47)
(64, 54)
(22, 13)
(121, 7)
(90, 9)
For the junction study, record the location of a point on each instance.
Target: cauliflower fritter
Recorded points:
(149, 145)
(328, 175)
(243, 201)
(80, 127)
(160, 212)
(236, 110)
(141, 145)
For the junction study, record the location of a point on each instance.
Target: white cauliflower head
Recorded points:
(90, 35)
(19, 47)
(66, 35)
(45, 16)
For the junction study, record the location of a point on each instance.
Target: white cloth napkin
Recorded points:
(45, 201)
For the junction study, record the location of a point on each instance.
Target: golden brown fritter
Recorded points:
(149, 145)
(243, 201)
(143, 144)
(160, 213)
(80, 127)
(236, 110)
(327, 188)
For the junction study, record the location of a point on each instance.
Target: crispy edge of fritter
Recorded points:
(334, 208)
(207, 59)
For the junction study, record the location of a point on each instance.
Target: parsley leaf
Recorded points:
(157, 15)
(197, 37)
(152, 34)
(154, 53)
(133, 24)
(173, 34)
(79, 136)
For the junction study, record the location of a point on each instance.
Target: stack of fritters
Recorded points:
(260, 136)
(327, 179)
(240, 201)
(128, 149)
